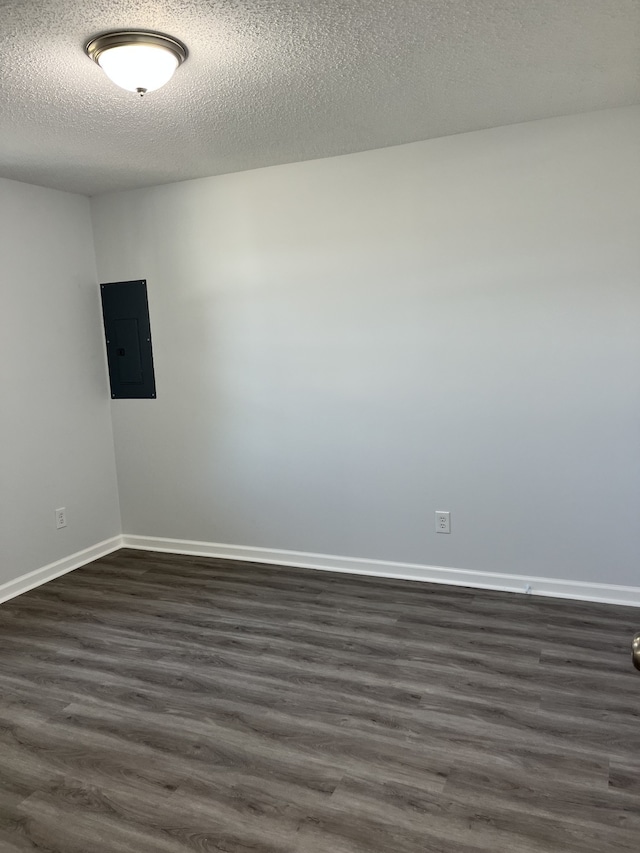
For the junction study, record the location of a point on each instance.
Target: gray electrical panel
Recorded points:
(125, 311)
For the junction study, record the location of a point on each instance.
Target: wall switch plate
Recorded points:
(443, 522)
(61, 517)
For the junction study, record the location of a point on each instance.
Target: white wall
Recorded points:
(56, 441)
(344, 346)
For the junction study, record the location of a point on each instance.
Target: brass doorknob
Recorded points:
(635, 651)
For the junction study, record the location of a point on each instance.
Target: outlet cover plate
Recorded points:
(443, 521)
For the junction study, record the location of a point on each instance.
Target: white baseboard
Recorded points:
(579, 590)
(32, 579)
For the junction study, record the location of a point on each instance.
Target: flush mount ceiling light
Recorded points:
(135, 60)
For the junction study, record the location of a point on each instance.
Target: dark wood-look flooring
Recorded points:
(151, 703)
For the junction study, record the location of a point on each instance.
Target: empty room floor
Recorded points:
(154, 703)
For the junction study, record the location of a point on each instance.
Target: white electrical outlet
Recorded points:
(61, 517)
(443, 522)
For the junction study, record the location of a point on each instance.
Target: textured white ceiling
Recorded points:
(275, 81)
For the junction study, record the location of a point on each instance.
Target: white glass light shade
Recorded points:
(138, 67)
(136, 60)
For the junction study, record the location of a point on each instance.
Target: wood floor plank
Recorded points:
(154, 702)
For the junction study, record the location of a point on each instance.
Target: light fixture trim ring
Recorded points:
(120, 38)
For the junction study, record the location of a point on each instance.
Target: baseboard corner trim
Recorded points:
(37, 577)
(499, 582)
